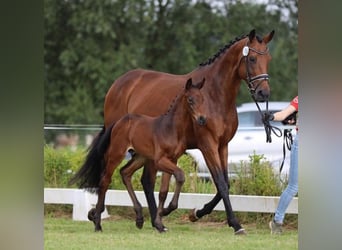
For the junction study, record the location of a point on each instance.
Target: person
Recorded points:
(292, 188)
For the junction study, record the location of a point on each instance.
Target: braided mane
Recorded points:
(222, 50)
(172, 104)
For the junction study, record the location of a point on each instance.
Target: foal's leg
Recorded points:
(95, 213)
(126, 173)
(164, 189)
(167, 166)
(113, 158)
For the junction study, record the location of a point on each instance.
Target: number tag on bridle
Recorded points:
(245, 51)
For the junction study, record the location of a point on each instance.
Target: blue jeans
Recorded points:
(292, 187)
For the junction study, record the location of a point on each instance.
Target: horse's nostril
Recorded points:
(201, 120)
(262, 95)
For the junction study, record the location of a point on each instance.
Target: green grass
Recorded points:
(121, 233)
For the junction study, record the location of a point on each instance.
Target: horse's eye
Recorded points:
(252, 59)
(191, 100)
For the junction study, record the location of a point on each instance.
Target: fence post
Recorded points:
(82, 204)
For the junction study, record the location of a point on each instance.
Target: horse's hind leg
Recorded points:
(95, 213)
(113, 159)
(126, 173)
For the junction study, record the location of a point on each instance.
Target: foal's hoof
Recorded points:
(139, 223)
(98, 229)
(192, 215)
(241, 231)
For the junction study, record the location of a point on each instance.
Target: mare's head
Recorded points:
(195, 101)
(253, 66)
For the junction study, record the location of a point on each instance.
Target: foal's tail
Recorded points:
(89, 175)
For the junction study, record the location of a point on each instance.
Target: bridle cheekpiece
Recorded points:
(251, 80)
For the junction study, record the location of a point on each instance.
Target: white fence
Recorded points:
(83, 201)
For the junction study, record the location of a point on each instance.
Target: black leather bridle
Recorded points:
(250, 83)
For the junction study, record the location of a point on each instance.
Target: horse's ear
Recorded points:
(188, 84)
(251, 35)
(268, 37)
(200, 84)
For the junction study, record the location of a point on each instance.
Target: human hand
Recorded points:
(291, 119)
(268, 116)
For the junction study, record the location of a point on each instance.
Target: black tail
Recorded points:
(89, 175)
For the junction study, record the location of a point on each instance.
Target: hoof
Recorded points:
(91, 214)
(192, 215)
(98, 229)
(241, 231)
(161, 229)
(139, 223)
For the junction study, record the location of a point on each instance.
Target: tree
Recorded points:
(88, 44)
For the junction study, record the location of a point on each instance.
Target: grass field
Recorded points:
(121, 233)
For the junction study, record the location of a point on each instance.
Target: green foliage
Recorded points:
(117, 180)
(256, 177)
(60, 164)
(88, 44)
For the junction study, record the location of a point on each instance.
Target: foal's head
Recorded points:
(195, 101)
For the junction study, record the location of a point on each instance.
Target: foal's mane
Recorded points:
(224, 48)
(172, 104)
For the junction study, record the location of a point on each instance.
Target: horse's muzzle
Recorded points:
(201, 120)
(261, 95)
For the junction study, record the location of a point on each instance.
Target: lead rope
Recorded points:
(268, 127)
(287, 139)
(287, 142)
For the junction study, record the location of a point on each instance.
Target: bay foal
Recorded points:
(160, 139)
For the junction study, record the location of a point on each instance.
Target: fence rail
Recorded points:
(83, 201)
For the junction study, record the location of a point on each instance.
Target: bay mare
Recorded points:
(150, 92)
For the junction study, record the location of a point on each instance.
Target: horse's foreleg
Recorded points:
(164, 189)
(126, 174)
(167, 166)
(148, 180)
(232, 220)
(196, 214)
(222, 187)
(222, 192)
(218, 169)
(209, 207)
